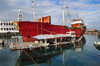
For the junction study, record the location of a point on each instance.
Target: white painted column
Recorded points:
(45, 41)
(55, 41)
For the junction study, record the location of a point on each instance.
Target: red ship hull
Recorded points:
(29, 29)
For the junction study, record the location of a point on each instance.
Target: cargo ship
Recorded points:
(42, 29)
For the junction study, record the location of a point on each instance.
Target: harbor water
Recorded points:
(82, 54)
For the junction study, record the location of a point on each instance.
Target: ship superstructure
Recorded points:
(78, 26)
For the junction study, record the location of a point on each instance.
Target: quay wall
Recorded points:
(92, 32)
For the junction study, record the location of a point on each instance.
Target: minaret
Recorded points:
(20, 15)
(33, 11)
(63, 13)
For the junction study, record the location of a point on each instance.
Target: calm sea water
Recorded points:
(83, 54)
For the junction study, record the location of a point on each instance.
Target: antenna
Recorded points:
(63, 13)
(33, 10)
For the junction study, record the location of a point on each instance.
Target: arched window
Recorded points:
(1, 23)
(1, 28)
(11, 23)
(7, 28)
(6, 23)
(12, 28)
(4, 28)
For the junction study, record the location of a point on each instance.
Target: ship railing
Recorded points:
(49, 36)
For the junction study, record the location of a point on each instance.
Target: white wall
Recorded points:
(7, 26)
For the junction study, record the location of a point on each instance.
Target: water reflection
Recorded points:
(44, 56)
(8, 57)
(79, 45)
(41, 56)
(8, 41)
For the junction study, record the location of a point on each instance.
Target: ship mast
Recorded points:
(33, 11)
(63, 13)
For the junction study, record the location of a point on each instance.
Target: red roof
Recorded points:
(91, 29)
(76, 19)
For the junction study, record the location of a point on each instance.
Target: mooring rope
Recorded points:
(48, 31)
(31, 58)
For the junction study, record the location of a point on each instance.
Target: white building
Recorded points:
(7, 26)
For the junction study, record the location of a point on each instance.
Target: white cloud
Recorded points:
(89, 12)
(91, 18)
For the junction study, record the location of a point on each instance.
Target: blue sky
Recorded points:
(88, 10)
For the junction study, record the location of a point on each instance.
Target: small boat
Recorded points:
(97, 43)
